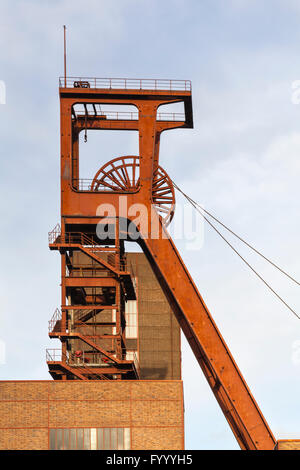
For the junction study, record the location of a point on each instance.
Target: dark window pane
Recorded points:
(73, 439)
(100, 445)
(120, 438)
(59, 441)
(66, 439)
(52, 439)
(86, 439)
(114, 439)
(80, 439)
(106, 438)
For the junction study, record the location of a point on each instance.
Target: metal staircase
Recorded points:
(94, 328)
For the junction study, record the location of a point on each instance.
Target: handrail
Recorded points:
(55, 237)
(55, 318)
(136, 364)
(85, 184)
(54, 234)
(90, 271)
(125, 83)
(56, 355)
(128, 116)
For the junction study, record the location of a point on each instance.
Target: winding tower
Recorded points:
(131, 198)
(97, 279)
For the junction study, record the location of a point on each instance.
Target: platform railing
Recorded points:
(56, 355)
(85, 184)
(85, 363)
(125, 83)
(170, 117)
(136, 364)
(83, 271)
(55, 318)
(128, 116)
(79, 238)
(55, 236)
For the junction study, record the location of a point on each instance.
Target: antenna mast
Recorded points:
(65, 57)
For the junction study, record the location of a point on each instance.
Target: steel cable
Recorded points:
(198, 208)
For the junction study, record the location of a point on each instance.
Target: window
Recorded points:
(131, 355)
(90, 439)
(131, 330)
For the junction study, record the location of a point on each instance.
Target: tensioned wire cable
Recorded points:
(237, 236)
(199, 208)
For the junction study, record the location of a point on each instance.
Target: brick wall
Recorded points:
(153, 410)
(288, 444)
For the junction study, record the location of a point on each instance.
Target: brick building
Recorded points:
(96, 414)
(117, 375)
(91, 415)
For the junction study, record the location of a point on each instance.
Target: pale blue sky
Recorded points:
(241, 161)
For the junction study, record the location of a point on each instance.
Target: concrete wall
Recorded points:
(153, 410)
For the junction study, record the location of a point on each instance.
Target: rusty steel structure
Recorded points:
(96, 281)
